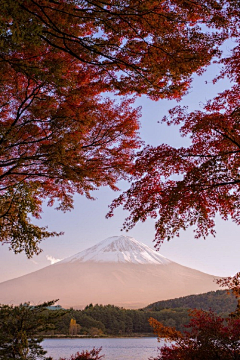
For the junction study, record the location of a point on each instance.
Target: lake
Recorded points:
(113, 349)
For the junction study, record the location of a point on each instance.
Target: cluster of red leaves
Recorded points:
(86, 355)
(233, 284)
(57, 139)
(188, 186)
(148, 47)
(209, 337)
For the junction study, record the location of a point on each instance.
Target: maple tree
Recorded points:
(54, 142)
(209, 337)
(60, 134)
(189, 186)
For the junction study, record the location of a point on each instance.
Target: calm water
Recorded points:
(113, 349)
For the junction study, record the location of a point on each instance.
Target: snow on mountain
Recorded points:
(119, 249)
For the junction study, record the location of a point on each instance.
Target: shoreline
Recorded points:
(62, 336)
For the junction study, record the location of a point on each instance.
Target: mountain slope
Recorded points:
(119, 271)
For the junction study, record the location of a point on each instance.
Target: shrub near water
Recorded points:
(86, 355)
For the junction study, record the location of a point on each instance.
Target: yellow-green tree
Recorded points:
(74, 327)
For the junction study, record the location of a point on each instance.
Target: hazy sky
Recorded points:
(86, 224)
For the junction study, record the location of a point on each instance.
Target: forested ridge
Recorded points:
(220, 301)
(99, 320)
(110, 320)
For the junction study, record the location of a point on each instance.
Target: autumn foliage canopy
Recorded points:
(188, 186)
(61, 133)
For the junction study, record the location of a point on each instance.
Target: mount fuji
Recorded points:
(119, 271)
(119, 249)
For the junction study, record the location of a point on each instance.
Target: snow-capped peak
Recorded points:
(124, 249)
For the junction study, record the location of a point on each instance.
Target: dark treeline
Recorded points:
(220, 301)
(111, 320)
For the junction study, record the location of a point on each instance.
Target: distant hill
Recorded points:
(219, 301)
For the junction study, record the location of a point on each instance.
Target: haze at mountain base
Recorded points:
(119, 271)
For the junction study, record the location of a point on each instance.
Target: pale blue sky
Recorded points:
(86, 224)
